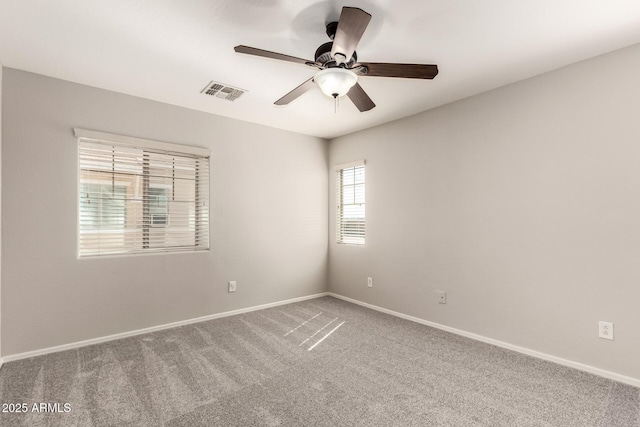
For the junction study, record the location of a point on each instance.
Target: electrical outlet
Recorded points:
(605, 330)
(232, 286)
(370, 282)
(442, 297)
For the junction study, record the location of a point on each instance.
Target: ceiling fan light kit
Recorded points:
(335, 81)
(337, 61)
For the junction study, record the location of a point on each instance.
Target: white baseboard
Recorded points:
(544, 356)
(121, 335)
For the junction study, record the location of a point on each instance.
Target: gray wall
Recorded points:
(268, 218)
(522, 203)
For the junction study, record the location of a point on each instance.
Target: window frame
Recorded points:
(201, 156)
(341, 236)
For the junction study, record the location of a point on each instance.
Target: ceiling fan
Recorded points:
(338, 63)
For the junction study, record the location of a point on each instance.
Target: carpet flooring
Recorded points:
(322, 362)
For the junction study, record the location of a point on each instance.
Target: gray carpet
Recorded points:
(323, 362)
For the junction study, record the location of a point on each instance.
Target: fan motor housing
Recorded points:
(323, 56)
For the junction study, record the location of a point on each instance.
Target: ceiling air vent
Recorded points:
(223, 91)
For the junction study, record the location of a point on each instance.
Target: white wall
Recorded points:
(522, 203)
(268, 218)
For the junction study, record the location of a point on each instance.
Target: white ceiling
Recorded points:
(168, 50)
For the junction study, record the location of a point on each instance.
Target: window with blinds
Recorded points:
(140, 196)
(350, 218)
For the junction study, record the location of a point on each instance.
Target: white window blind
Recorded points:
(134, 198)
(350, 218)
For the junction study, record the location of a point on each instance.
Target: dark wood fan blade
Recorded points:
(351, 26)
(303, 88)
(407, 71)
(273, 55)
(359, 97)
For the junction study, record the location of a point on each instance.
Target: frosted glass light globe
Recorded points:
(335, 82)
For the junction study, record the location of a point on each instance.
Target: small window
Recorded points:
(350, 221)
(140, 196)
(159, 206)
